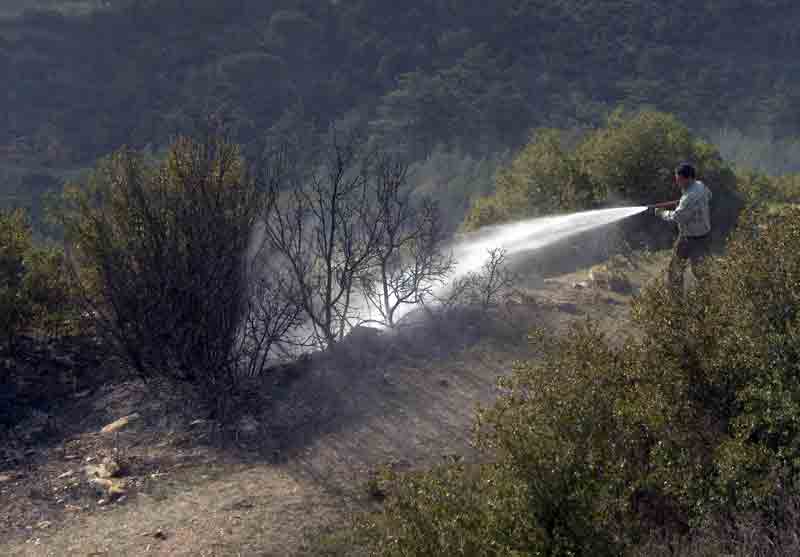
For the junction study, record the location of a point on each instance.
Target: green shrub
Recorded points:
(788, 187)
(161, 254)
(632, 159)
(34, 291)
(758, 188)
(597, 446)
(556, 474)
(543, 178)
(444, 512)
(14, 242)
(55, 307)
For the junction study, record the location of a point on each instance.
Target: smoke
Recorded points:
(453, 179)
(758, 151)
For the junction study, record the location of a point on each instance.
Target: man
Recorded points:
(693, 217)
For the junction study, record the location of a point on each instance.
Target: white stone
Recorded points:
(119, 424)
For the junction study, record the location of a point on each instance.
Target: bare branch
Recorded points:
(316, 226)
(408, 255)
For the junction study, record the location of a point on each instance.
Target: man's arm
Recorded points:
(683, 212)
(665, 205)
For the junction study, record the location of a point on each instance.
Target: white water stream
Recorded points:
(528, 235)
(472, 251)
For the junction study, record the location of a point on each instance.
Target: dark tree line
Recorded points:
(468, 73)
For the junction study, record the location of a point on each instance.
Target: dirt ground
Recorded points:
(302, 451)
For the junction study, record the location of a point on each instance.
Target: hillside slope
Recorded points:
(479, 75)
(300, 458)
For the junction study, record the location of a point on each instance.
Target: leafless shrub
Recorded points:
(356, 246)
(318, 223)
(270, 318)
(483, 288)
(408, 260)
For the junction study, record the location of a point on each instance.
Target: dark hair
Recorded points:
(685, 169)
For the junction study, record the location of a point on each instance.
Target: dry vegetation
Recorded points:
(298, 459)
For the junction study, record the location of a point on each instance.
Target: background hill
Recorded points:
(87, 77)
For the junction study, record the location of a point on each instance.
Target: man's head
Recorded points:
(684, 175)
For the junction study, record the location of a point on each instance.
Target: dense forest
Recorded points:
(87, 77)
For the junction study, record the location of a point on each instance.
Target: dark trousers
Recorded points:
(692, 250)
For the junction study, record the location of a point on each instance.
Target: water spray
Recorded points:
(471, 251)
(531, 234)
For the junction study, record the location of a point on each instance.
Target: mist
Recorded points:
(759, 150)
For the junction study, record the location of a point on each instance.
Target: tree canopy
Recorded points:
(473, 73)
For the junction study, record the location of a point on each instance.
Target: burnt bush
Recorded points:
(160, 255)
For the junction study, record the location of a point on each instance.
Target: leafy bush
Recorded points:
(549, 489)
(758, 188)
(632, 159)
(543, 178)
(34, 292)
(161, 253)
(455, 509)
(788, 187)
(14, 242)
(599, 446)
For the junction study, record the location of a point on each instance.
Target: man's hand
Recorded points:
(659, 212)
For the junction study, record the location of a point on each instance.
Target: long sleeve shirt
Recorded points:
(693, 213)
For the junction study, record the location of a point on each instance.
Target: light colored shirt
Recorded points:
(693, 213)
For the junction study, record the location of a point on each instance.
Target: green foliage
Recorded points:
(14, 242)
(543, 178)
(161, 253)
(749, 356)
(598, 446)
(788, 187)
(756, 188)
(423, 74)
(631, 159)
(34, 292)
(474, 103)
(474, 75)
(634, 157)
(760, 189)
(476, 510)
(485, 210)
(49, 286)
